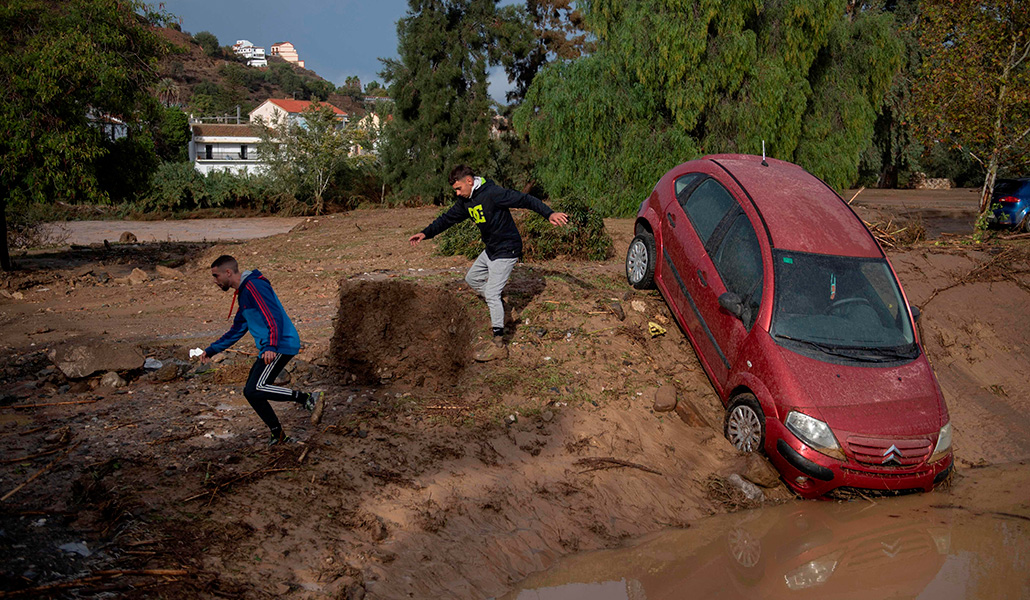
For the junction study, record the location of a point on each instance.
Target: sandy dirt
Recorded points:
(431, 475)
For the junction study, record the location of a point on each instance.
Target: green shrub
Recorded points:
(180, 187)
(584, 238)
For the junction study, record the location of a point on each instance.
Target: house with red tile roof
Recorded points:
(274, 111)
(222, 147)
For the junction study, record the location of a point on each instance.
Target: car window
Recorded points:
(707, 205)
(1007, 186)
(738, 259)
(683, 185)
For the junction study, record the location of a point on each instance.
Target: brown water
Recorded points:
(923, 546)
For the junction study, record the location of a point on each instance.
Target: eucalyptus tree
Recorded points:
(674, 79)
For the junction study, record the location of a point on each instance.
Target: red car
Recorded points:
(798, 319)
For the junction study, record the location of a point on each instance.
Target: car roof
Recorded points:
(799, 210)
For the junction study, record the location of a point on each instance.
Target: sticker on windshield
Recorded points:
(833, 287)
(788, 260)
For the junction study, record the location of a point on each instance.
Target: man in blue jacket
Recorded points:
(276, 339)
(488, 204)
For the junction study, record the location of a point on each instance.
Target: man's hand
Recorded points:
(415, 239)
(268, 356)
(558, 219)
(204, 358)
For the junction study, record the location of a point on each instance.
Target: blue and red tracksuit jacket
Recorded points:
(260, 312)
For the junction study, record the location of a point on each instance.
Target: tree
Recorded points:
(208, 43)
(304, 156)
(559, 34)
(670, 81)
(69, 66)
(442, 110)
(975, 86)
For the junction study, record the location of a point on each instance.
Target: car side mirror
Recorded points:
(732, 304)
(915, 312)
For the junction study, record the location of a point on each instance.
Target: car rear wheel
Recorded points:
(745, 423)
(640, 261)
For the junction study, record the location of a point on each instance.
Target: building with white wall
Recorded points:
(287, 52)
(274, 112)
(218, 147)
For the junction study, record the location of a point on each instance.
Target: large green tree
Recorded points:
(673, 79)
(67, 68)
(442, 110)
(975, 86)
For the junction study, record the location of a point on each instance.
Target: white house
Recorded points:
(225, 148)
(274, 112)
(255, 55)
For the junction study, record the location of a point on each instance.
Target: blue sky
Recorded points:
(335, 38)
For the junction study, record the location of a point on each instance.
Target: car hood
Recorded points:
(873, 400)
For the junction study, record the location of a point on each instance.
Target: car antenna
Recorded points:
(764, 164)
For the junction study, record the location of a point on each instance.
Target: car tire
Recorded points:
(745, 423)
(640, 261)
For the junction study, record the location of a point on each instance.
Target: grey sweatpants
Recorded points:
(488, 278)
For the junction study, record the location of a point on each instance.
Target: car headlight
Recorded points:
(943, 447)
(812, 573)
(815, 433)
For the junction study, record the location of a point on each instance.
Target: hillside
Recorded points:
(215, 85)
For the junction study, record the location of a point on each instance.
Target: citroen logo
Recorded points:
(891, 455)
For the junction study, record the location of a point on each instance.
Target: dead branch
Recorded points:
(971, 275)
(29, 457)
(38, 473)
(38, 591)
(860, 190)
(608, 462)
(23, 406)
(219, 487)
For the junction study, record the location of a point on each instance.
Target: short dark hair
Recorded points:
(226, 261)
(460, 172)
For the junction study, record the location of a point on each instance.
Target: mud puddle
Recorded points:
(927, 545)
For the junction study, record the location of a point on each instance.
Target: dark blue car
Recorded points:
(1010, 203)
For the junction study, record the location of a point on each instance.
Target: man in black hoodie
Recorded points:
(488, 204)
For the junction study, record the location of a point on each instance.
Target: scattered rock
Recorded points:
(616, 307)
(76, 548)
(547, 416)
(17, 295)
(510, 419)
(488, 351)
(82, 358)
(79, 387)
(112, 380)
(638, 305)
(665, 398)
(138, 276)
(284, 378)
(752, 491)
(689, 413)
(103, 277)
(760, 472)
(127, 237)
(83, 271)
(167, 372)
(152, 364)
(167, 272)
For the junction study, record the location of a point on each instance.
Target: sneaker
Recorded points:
(282, 438)
(317, 402)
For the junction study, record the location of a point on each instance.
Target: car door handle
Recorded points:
(701, 278)
(672, 220)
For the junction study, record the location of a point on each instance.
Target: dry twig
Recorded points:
(608, 462)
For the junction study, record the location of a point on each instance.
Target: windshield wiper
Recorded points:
(862, 353)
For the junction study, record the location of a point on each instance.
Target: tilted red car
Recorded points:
(798, 319)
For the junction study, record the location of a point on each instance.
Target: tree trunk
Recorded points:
(5, 254)
(988, 188)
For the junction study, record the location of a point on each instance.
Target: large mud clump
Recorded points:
(400, 331)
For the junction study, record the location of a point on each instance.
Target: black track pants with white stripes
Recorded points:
(259, 390)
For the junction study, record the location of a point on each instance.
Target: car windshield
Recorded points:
(1004, 187)
(840, 305)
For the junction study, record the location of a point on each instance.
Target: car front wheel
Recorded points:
(745, 424)
(640, 261)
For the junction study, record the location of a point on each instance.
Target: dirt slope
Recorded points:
(431, 475)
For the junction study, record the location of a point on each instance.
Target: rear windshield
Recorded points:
(1008, 186)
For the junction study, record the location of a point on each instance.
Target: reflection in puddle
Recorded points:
(912, 547)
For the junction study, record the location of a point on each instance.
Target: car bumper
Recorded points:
(812, 474)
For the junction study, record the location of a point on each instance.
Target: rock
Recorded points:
(138, 276)
(152, 364)
(638, 305)
(127, 237)
(79, 387)
(547, 416)
(616, 307)
(760, 472)
(689, 413)
(284, 378)
(103, 277)
(510, 419)
(112, 380)
(752, 491)
(167, 372)
(167, 272)
(85, 356)
(83, 271)
(17, 295)
(75, 548)
(665, 398)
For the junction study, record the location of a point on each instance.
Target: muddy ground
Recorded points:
(431, 475)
